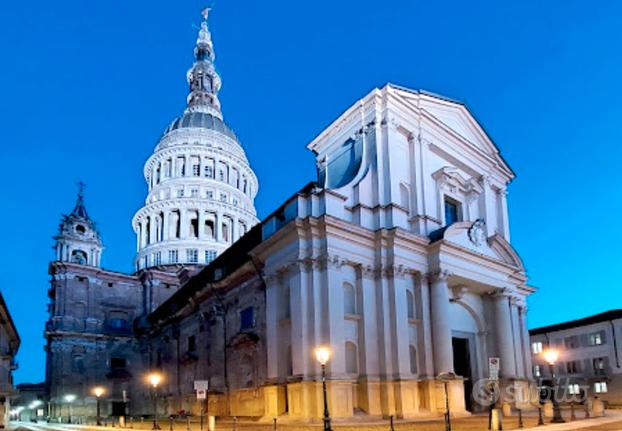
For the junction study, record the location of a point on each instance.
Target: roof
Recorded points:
(596, 318)
(202, 120)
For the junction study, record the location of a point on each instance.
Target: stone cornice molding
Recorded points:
(501, 292)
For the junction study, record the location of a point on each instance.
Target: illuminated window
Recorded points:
(600, 387)
(536, 347)
(573, 389)
(595, 339)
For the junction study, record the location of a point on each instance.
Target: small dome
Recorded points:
(201, 120)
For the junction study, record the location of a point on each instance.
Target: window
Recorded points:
(157, 258)
(209, 172)
(210, 255)
(537, 372)
(196, 170)
(599, 365)
(223, 197)
(349, 299)
(80, 228)
(573, 367)
(351, 358)
(595, 339)
(192, 343)
(209, 194)
(192, 255)
(413, 359)
(573, 389)
(180, 193)
(410, 304)
(235, 201)
(536, 347)
(600, 387)
(117, 363)
(247, 318)
(452, 211)
(571, 342)
(173, 256)
(194, 192)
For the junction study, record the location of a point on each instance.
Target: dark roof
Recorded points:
(596, 318)
(201, 120)
(224, 265)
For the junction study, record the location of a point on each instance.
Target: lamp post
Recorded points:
(551, 356)
(322, 354)
(154, 380)
(98, 391)
(445, 378)
(69, 398)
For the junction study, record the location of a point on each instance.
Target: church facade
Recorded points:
(398, 259)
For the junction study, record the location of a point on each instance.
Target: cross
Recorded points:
(81, 187)
(205, 12)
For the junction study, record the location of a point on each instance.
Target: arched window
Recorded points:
(413, 359)
(352, 363)
(349, 299)
(410, 304)
(79, 257)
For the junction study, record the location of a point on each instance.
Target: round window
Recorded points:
(80, 229)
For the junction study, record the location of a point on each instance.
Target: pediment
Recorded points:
(472, 236)
(455, 116)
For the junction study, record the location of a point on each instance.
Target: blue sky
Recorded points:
(87, 88)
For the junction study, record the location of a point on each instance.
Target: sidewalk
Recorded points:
(612, 421)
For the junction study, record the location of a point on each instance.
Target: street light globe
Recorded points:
(70, 398)
(550, 356)
(37, 403)
(322, 354)
(98, 391)
(154, 379)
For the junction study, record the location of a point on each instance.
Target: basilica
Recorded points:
(397, 258)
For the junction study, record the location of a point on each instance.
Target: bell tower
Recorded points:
(78, 240)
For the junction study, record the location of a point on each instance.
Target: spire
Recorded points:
(202, 77)
(80, 210)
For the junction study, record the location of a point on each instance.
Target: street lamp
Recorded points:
(98, 391)
(551, 356)
(69, 398)
(445, 378)
(154, 380)
(322, 354)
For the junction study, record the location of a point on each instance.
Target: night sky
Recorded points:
(87, 87)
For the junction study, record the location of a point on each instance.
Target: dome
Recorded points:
(201, 120)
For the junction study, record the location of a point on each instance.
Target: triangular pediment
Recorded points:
(455, 116)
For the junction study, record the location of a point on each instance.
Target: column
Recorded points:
(503, 333)
(165, 227)
(505, 223)
(152, 229)
(301, 350)
(201, 222)
(272, 325)
(218, 226)
(424, 336)
(526, 351)
(183, 223)
(489, 207)
(173, 166)
(236, 229)
(441, 329)
(517, 337)
(368, 326)
(143, 233)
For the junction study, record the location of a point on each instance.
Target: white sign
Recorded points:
(200, 386)
(493, 368)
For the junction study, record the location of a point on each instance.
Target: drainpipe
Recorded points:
(615, 344)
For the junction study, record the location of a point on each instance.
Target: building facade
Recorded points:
(9, 345)
(398, 259)
(589, 362)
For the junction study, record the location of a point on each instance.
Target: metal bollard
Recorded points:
(391, 428)
(273, 424)
(187, 423)
(170, 423)
(573, 417)
(235, 423)
(587, 410)
(540, 417)
(520, 418)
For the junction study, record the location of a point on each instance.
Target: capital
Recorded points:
(440, 275)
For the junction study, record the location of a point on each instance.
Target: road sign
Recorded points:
(493, 368)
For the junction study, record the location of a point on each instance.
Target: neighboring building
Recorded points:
(200, 200)
(9, 344)
(590, 357)
(33, 398)
(398, 258)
